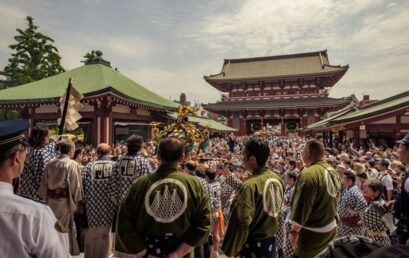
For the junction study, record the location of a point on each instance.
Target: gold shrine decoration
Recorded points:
(262, 132)
(181, 129)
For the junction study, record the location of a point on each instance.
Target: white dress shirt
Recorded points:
(28, 228)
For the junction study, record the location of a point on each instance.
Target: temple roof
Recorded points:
(304, 64)
(276, 104)
(325, 123)
(89, 80)
(389, 104)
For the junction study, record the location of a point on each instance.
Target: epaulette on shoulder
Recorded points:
(32, 199)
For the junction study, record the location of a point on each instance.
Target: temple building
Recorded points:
(286, 91)
(114, 106)
(382, 122)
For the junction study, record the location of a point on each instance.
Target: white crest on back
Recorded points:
(167, 206)
(273, 197)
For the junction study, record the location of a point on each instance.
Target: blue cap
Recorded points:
(11, 132)
(405, 140)
(385, 162)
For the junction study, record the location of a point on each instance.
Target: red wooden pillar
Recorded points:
(243, 130)
(282, 126)
(104, 121)
(105, 128)
(95, 130)
(110, 129)
(101, 133)
(398, 128)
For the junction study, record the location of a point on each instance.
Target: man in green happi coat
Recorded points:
(256, 207)
(314, 205)
(165, 214)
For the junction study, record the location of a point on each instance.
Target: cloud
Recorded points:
(260, 27)
(386, 33)
(371, 36)
(168, 47)
(9, 15)
(171, 83)
(120, 51)
(130, 47)
(378, 79)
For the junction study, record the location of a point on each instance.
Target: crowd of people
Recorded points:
(241, 196)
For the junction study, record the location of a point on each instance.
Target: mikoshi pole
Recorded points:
(64, 111)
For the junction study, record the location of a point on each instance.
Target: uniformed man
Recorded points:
(402, 204)
(61, 188)
(129, 167)
(165, 214)
(256, 207)
(27, 228)
(100, 210)
(314, 205)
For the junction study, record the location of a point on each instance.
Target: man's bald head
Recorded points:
(103, 149)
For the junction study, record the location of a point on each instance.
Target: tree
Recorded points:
(9, 114)
(89, 57)
(95, 57)
(34, 57)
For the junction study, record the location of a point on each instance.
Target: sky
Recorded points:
(169, 45)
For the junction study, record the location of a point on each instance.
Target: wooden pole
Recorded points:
(64, 111)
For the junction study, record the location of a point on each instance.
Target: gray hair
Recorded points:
(66, 146)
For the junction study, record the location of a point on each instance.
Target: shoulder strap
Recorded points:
(382, 176)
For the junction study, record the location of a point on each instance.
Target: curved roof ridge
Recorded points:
(391, 98)
(208, 76)
(276, 57)
(336, 66)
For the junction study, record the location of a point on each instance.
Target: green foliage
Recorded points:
(89, 57)
(9, 114)
(95, 57)
(34, 57)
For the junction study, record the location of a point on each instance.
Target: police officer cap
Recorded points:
(405, 140)
(11, 132)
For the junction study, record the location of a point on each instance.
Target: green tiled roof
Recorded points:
(276, 66)
(325, 122)
(394, 102)
(89, 80)
(207, 122)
